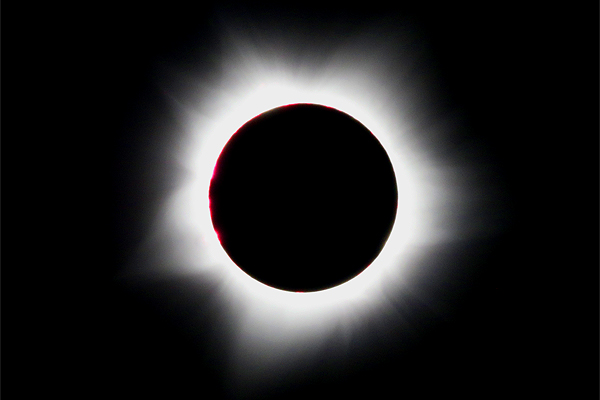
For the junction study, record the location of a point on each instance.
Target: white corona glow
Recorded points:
(272, 319)
(271, 93)
(269, 325)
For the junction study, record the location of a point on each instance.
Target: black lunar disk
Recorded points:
(303, 197)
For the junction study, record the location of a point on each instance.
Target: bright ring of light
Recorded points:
(268, 322)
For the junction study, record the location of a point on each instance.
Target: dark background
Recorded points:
(80, 82)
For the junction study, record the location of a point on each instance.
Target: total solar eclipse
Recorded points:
(303, 197)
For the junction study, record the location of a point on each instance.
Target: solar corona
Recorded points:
(309, 198)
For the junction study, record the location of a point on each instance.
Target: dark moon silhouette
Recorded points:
(303, 197)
